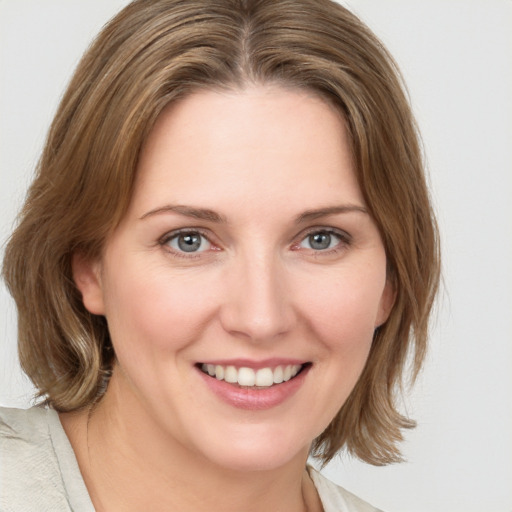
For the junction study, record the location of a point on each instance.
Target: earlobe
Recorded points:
(87, 277)
(387, 301)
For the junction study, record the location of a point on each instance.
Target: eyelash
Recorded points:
(344, 240)
(168, 237)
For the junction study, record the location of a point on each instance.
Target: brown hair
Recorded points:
(155, 52)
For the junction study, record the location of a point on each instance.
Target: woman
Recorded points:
(226, 256)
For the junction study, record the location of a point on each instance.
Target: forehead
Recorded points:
(262, 143)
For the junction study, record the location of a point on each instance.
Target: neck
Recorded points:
(129, 463)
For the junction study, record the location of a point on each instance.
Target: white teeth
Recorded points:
(246, 377)
(231, 375)
(264, 377)
(219, 372)
(278, 375)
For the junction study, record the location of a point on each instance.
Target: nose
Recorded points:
(257, 305)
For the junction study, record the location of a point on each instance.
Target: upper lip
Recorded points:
(255, 365)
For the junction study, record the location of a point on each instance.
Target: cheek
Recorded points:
(150, 314)
(343, 312)
(341, 319)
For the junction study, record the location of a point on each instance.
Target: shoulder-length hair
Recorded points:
(155, 52)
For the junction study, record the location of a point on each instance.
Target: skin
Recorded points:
(263, 159)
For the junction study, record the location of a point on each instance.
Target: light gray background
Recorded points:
(456, 56)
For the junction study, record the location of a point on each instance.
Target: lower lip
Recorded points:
(255, 399)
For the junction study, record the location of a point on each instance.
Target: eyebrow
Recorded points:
(213, 216)
(330, 210)
(187, 211)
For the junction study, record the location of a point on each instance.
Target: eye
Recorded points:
(188, 242)
(322, 240)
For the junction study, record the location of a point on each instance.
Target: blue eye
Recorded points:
(321, 240)
(189, 241)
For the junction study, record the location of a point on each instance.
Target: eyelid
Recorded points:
(345, 238)
(164, 240)
(175, 232)
(326, 229)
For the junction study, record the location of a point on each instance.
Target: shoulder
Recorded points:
(30, 473)
(336, 499)
(16, 424)
(23, 433)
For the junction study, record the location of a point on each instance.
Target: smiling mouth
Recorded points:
(244, 377)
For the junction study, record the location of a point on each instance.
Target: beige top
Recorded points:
(39, 471)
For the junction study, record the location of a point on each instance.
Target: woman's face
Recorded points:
(244, 284)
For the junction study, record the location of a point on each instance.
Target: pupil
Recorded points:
(320, 241)
(189, 243)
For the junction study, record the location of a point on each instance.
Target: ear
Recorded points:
(387, 301)
(87, 277)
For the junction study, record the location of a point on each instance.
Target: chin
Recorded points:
(252, 452)
(248, 460)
